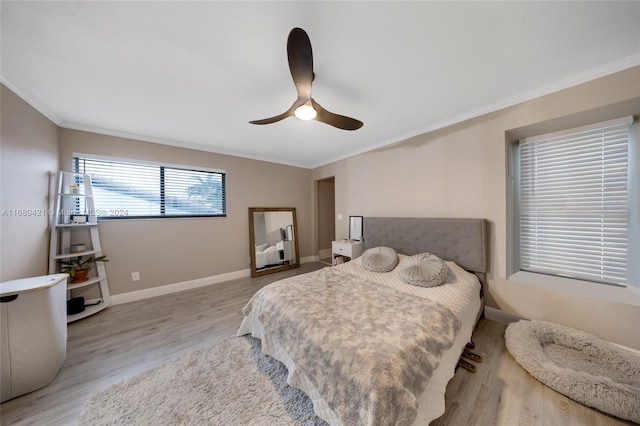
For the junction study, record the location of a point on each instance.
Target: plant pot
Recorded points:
(80, 276)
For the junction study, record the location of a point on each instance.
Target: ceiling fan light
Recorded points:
(305, 112)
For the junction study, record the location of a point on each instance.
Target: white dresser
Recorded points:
(33, 333)
(345, 250)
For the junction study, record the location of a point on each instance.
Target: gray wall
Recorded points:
(168, 251)
(459, 171)
(28, 155)
(326, 213)
(164, 251)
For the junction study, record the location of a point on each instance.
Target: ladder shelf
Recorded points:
(74, 222)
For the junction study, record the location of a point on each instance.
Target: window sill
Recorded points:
(628, 295)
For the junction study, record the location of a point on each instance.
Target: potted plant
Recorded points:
(79, 268)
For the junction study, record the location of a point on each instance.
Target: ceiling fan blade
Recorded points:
(271, 119)
(300, 58)
(300, 62)
(287, 113)
(335, 120)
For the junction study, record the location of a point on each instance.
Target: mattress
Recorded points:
(268, 256)
(460, 294)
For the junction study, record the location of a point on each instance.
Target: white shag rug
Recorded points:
(579, 365)
(229, 383)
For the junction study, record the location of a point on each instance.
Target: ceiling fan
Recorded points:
(305, 107)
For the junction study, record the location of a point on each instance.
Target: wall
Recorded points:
(28, 155)
(167, 251)
(326, 213)
(459, 171)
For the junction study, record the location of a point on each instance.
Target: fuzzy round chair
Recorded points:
(579, 365)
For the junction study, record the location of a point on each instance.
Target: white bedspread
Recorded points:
(460, 294)
(268, 256)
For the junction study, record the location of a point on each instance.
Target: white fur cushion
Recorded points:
(579, 365)
(379, 259)
(423, 270)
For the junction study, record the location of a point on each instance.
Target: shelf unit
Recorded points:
(74, 224)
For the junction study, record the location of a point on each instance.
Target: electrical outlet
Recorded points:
(135, 276)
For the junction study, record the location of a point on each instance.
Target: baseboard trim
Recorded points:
(147, 293)
(497, 315)
(324, 253)
(502, 317)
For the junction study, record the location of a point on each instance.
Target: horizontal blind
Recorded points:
(128, 190)
(573, 203)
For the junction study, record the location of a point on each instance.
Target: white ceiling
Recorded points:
(194, 73)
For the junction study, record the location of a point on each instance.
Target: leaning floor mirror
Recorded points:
(273, 239)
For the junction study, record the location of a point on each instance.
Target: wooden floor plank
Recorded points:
(508, 395)
(129, 338)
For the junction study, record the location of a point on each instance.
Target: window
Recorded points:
(124, 189)
(573, 201)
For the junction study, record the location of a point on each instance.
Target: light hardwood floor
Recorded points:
(125, 339)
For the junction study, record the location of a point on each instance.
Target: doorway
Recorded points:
(326, 213)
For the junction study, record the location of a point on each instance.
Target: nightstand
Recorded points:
(287, 250)
(345, 250)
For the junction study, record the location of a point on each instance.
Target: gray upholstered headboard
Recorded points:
(463, 241)
(274, 236)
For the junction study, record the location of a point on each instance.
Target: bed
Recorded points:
(365, 346)
(267, 254)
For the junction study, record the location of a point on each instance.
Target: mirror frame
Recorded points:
(252, 239)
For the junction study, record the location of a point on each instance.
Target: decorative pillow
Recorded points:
(379, 259)
(423, 270)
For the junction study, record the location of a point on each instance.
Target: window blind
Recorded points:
(574, 202)
(129, 190)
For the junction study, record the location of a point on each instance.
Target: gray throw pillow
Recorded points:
(423, 270)
(379, 259)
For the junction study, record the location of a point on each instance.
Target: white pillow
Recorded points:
(262, 247)
(423, 270)
(379, 259)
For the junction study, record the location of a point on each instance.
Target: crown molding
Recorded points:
(575, 80)
(31, 99)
